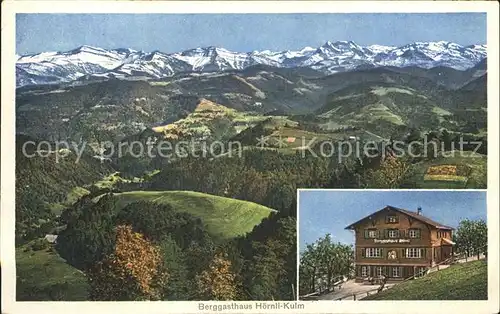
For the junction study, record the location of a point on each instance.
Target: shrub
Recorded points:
(39, 244)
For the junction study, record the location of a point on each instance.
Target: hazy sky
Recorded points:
(240, 32)
(322, 212)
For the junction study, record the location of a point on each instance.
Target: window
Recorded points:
(442, 234)
(393, 233)
(371, 233)
(396, 272)
(392, 219)
(380, 271)
(414, 233)
(365, 271)
(413, 253)
(420, 271)
(373, 252)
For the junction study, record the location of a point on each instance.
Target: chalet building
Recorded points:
(395, 244)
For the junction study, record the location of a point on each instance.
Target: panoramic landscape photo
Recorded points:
(393, 245)
(158, 156)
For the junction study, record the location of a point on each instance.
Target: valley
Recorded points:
(117, 109)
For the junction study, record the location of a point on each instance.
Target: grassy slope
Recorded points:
(367, 104)
(207, 120)
(476, 179)
(468, 281)
(50, 277)
(224, 217)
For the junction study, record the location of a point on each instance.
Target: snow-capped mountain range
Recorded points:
(331, 57)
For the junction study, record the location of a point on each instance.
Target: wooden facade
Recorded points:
(397, 244)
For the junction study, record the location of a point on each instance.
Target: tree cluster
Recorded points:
(324, 263)
(471, 237)
(149, 251)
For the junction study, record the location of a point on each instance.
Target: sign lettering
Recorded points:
(385, 241)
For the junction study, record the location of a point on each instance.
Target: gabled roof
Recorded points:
(405, 212)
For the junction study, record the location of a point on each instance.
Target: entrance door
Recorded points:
(446, 251)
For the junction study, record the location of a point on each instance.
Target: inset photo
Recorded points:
(392, 245)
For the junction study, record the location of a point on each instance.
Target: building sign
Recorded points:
(386, 241)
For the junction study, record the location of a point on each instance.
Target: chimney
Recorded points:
(419, 210)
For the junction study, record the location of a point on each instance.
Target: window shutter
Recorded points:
(366, 233)
(386, 233)
(401, 233)
(382, 253)
(386, 219)
(403, 253)
(362, 252)
(378, 234)
(422, 253)
(400, 271)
